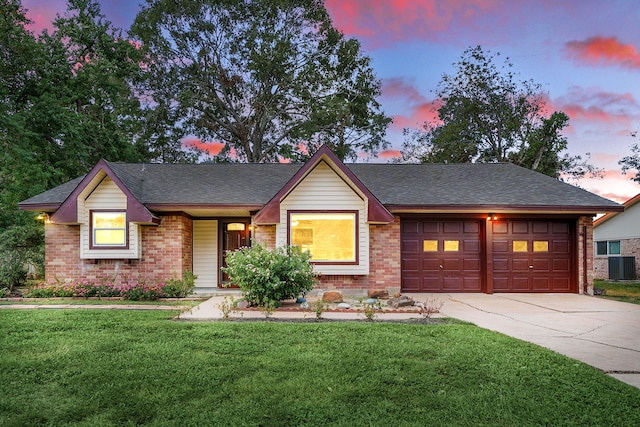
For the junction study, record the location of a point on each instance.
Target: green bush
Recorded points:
(177, 288)
(270, 276)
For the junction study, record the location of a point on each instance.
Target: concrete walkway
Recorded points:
(601, 333)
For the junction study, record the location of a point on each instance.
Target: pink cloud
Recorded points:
(595, 105)
(604, 51)
(390, 154)
(406, 19)
(212, 148)
(418, 108)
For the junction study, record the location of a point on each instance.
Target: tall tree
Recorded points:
(487, 115)
(269, 78)
(66, 99)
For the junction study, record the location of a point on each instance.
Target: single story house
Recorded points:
(617, 243)
(400, 227)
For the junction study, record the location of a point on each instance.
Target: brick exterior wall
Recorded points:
(628, 247)
(166, 251)
(585, 240)
(265, 235)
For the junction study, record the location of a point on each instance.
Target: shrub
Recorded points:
(177, 288)
(270, 275)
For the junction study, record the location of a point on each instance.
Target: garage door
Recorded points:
(441, 256)
(532, 256)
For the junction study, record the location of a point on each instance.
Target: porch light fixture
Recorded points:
(492, 217)
(43, 216)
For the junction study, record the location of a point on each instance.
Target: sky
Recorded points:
(584, 53)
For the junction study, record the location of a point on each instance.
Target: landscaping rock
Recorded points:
(243, 304)
(332, 296)
(401, 301)
(300, 300)
(378, 293)
(371, 301)
(344, 305)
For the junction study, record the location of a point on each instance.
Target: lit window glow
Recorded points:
(326, 236)
(109, 229)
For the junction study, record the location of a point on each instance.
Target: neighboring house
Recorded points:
(404, 228)
(616, 236)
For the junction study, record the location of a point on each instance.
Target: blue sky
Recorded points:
(585, 54)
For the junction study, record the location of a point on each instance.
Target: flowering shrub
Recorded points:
(176, 288)
(86, 289)
(268, 277)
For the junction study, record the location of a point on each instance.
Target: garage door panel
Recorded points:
(430, 227)
(471, 246)
(546, 247)
(412, 246)
(411, 264)
(520, 264)
(409, 227)
(451, 262)
(541, 265)
(560, 265)
(500, 246)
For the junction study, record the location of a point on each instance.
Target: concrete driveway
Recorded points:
(602, 333)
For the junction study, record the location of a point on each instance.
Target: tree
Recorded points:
(67, 99)
(488, 116)
(632, 162)
(270, 79)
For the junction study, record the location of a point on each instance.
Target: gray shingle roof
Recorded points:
(427, 185)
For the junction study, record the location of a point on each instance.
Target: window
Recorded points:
(611, 247)
(520, 246)
(451, 245)
(108, 229)
(327, 236)
(430, 246)
(540, 246)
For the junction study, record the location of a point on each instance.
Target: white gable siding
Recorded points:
(106, 195)
(205, 253)
(625, 225)
(322, 190)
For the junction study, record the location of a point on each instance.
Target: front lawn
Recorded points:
(61, 367)
(620, 291)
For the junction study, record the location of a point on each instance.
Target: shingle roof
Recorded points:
(427, 185)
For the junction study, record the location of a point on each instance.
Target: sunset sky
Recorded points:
(585, 53)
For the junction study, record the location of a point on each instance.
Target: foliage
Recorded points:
(319, 307)
(429, 307)
(270, 276)
(371, 310)
(180, 288)
(21, 248)
(4, 292)
(486, 116)
(227, 305)
(632, 162)
(294, 374)
(270, 79)
(138, 291)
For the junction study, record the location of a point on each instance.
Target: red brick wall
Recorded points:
(585, 235)
(265, 235)
(384, 263)
(166, 251)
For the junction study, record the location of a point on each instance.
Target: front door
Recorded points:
(235, 234)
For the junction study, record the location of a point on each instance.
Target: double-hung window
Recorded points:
(108, 229)
(330, 237)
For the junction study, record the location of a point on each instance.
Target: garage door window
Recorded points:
(540, 246)
(520, 246)
(430, 246)
(451, 245)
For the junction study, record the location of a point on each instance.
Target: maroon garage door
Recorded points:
(532, 256)
(441, 256)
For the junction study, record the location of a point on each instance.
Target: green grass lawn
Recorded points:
(96, 368)
(620, 291)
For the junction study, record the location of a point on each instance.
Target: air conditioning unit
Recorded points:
(622, 268)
